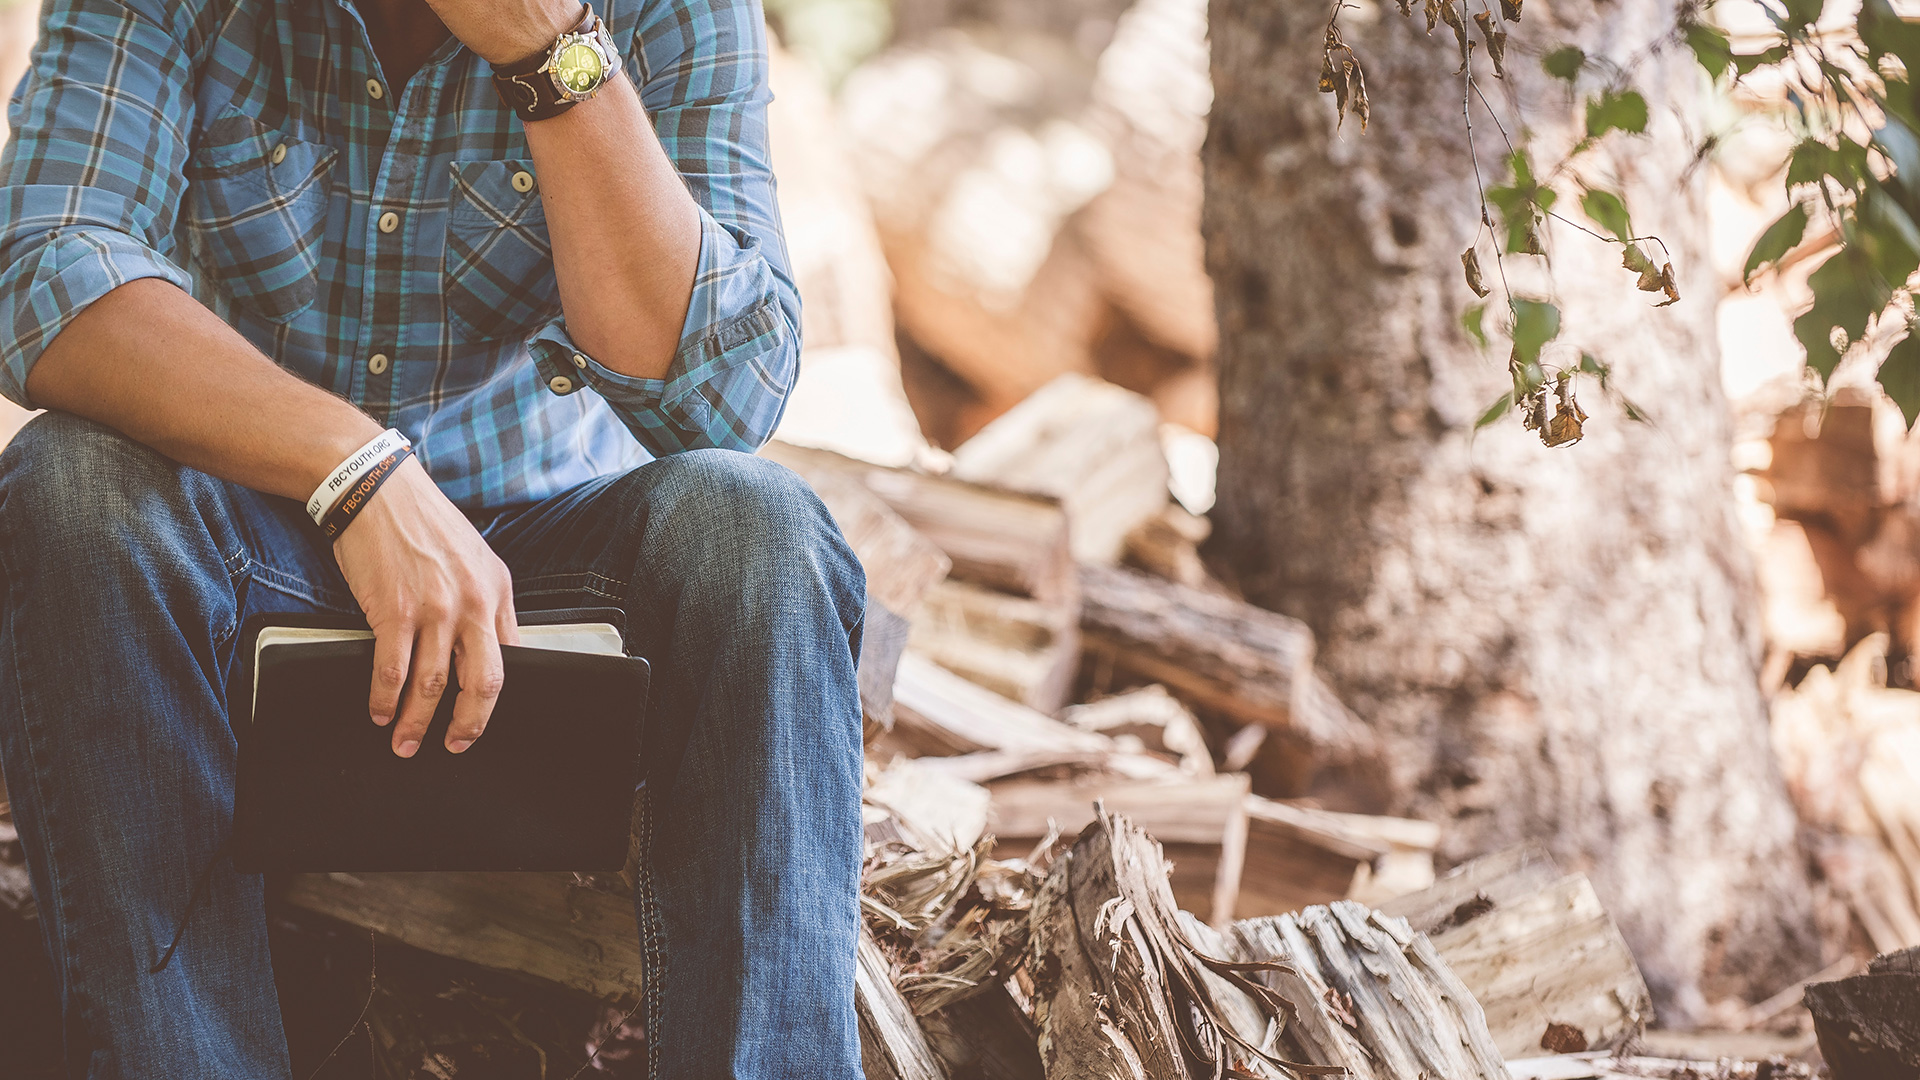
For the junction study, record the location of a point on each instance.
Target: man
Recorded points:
(240, 238)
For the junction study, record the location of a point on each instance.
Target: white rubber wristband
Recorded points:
(343, 475)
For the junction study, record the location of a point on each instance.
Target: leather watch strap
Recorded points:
(530, 91)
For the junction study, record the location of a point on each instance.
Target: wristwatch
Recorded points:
(570, 71)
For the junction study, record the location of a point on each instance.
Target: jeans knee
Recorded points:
(68, 481)
(754, 525)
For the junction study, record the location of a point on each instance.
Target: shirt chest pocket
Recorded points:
(257, 213)
(499, 260)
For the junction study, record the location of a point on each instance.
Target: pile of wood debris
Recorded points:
(1068, 870)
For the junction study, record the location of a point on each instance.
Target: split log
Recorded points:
(544, 925)
(1019, 648)
(1869, 1025)
(1000, 539)
(1200, 821)
(901, 564)
(1413, 1015)
(1297, 856)
(1219, 655)
(848, 395)
(937, 712)
(892, 1046)
(1088, 443)
(550, 927)
(1294, 861)
(1155, 718)
(1118, 987)
(1167, 545)
(883, 641)
(985, 1037)
(1535, 947)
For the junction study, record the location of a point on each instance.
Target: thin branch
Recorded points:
(373, 973)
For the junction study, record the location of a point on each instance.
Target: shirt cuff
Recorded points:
(730, 374)
(43, 292)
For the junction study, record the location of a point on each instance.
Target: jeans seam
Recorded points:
(653, 952)
(262, 574)
(62, 914)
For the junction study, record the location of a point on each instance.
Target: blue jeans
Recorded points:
(126, 577)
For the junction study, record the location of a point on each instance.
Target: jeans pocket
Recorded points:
(499, 260)
(257, 212)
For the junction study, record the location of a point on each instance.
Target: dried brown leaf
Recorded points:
(1470, 262)
(1534, 244)
(1433, 14)
(1452, 18)
(1406, 8)
(1667, 286)
(1510, 10)
(1326, 74)
(1496, 40)
(1564, 428)
(1357, 92)
(1341, 89)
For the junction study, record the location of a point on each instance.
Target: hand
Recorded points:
(505, 31)
(432, 590)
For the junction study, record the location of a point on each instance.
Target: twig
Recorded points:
(373, 972)
(611, 1032)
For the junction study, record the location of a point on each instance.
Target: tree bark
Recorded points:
(1557, 644)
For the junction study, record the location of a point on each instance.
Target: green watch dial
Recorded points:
(578, 68)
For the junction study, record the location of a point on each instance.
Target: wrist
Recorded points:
(352, 467)
(522, 39)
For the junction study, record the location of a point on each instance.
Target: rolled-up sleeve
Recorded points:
(91, 178)
(701, 66)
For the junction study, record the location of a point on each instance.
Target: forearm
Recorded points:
(626, 234)
(152, 362)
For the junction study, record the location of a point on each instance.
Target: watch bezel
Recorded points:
(594, 39)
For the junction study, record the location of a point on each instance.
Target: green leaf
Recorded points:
(1501, 406)
(1606, 208)
(1900, 374)
(1591, 365)
(1522, 203)
(1711, 47)
(1623, 110)
(1535, 322)
(1846, 293)
(1802, 12)
(1781, 237)
(1883, 31)
(1473, 321)
(1887, 234)
(1813, 159)
(1744, 63)
(1565, 62)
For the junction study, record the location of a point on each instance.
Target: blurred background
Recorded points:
(1673, 655)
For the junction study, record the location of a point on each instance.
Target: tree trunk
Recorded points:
(1556, 644)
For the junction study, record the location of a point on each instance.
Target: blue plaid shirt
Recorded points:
(388, 243)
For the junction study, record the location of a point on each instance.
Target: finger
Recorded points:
(426, 682)
(506, 623)
(392, 648)
(477, 658)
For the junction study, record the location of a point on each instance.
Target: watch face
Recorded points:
(577, 68)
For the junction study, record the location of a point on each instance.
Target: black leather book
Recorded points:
(550, 786)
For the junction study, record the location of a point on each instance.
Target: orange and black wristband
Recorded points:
(357, 496)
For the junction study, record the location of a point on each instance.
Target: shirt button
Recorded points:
(579, 361)
(523, 181)
(560, 384)
(280, 153)
(377, 364)
(389, 221)
(375, 90)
